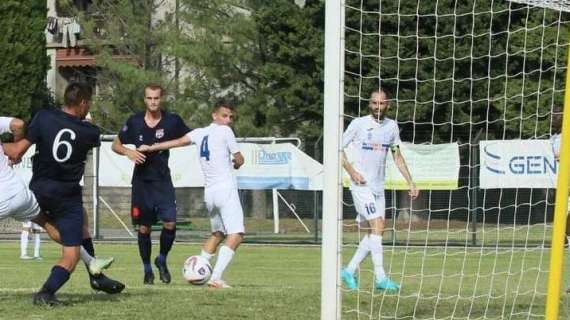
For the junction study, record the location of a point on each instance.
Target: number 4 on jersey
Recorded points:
(204, 152)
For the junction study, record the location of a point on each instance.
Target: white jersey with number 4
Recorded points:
(216, 143)
(368, 142)
(10, 184)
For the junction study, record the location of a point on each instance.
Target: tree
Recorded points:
(24, 62)
(472, 66)
(126, 44)
(267, 56)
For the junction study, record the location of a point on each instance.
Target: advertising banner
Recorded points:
(267, 166)
(517, 164)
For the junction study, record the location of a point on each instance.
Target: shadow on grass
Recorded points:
(77, 299)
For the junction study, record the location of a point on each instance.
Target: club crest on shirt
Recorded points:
(159, 133)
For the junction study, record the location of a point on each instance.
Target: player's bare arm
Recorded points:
(134, 155)
(354, 175)
(180, 142)
(15, 151)
(238, 160)
(17, 127)
(403, 167)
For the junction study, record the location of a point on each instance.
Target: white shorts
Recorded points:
(368, 205)
(22, 207)
(31, 226)
(224, 208)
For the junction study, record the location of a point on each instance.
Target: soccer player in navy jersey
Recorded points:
(18, 202)
(152, 189)
(62, 141)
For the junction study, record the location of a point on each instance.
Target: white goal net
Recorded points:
(460, 72)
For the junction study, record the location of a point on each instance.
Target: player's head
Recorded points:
(223, 113)
(77, 96)
(378, 104)
(153, 97)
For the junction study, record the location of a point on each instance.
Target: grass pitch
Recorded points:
(283, 282)
(269, 283)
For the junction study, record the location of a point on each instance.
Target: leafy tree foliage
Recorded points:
(267, 56)
(475, 66)
(453, 71)
(24, 62)
(127, 47)
(264, 56)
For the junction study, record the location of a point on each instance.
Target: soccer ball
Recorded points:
(196, 270)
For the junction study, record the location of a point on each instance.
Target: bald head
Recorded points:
(378, 104)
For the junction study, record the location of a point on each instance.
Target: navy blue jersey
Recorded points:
(62, 143)
(137, 132)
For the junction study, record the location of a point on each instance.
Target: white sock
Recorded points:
(85, 256)
(224, 258)
(359, 255)
(24, 243)
(206, 255)
(37, 243)
(377, 252)
(568, 239)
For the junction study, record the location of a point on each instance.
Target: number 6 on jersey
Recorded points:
(57, 143)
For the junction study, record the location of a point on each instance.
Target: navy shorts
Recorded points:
(151, 200)
(67, 215)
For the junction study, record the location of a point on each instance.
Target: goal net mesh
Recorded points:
(457, 71)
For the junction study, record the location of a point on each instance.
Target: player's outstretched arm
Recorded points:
(403, 167)
(134, 155)
(15, 151)
(175, 143)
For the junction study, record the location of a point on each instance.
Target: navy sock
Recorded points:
(145, 247)
(87, 244)
(147, 268)
(167, 237)
(57, 278)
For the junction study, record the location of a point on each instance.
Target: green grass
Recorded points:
(277, 282)
(270, 283)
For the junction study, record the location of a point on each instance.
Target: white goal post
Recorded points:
(332, 188)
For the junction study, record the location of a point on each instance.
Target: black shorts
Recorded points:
(67, 215)
(151, 200)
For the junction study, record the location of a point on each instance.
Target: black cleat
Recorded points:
(101, 282)
(148, 278)
(43, 298)
(163, 271)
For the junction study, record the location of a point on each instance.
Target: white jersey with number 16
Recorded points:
(369, 141)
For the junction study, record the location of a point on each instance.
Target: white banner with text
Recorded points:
(267, 166)
(517, 164)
